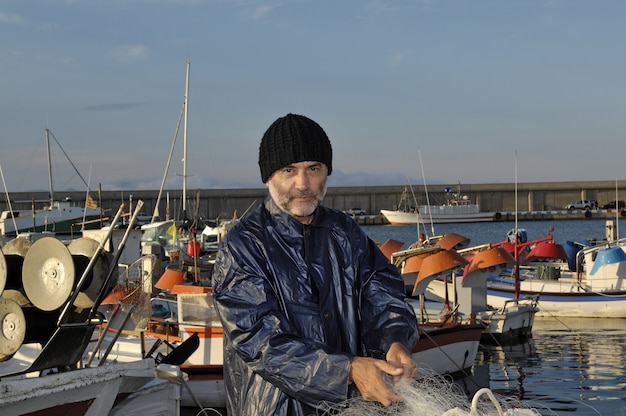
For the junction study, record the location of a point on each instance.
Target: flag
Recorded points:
(171, 231)
(91, 203)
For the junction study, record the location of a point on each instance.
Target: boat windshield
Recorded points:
(162, 233)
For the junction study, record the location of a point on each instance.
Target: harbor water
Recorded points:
(570, 366)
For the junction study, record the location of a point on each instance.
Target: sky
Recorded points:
(409, 91)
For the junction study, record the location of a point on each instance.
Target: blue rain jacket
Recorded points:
(297, 303)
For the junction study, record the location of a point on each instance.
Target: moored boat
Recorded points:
(60, 217)
(131, 388)
(448, 349)
(568, 280)
(436, 264)
(457, 209)
(588, 282)
(446, 346)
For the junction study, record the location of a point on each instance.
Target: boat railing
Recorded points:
(399, 257)
(533, 300)
(580, 256)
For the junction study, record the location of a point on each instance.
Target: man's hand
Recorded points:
(398, 356)
(367, 374)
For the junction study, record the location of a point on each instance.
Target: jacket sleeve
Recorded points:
(385, 315)
(257, 329)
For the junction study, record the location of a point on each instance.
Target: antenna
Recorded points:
(616, 212)
(6, 192)
(516, 191)
(50, 188)
(185, 142)
(432, 225)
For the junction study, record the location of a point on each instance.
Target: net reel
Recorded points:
(12, 328)
(51, 272)
(48, 274)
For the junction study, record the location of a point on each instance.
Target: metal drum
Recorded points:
(82, 251)
(40, 325)
(3, 273)
(14, 252)
(48, 274)
(12, 328)
(17, 246)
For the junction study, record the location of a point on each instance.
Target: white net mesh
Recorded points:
(434, 395)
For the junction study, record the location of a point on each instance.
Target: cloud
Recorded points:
(129, 53)
(10, 18)
(262, 11)
(112, 107)
(399, 58)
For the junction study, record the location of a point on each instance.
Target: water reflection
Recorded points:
(569, 366)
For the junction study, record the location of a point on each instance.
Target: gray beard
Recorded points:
(282, 202)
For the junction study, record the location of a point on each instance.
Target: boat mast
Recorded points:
(49, 167)
(430, 214)
(516, 268)
(182, 116)
(185, 143)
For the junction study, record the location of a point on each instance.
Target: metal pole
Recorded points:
(118, 253)
(185, 142)
(92, 261)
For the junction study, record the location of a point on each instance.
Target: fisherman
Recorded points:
(312, 310)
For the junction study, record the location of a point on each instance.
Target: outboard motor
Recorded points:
(522, 237)
(572, 248)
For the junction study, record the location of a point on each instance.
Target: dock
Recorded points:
(532, 201)
(522, 216)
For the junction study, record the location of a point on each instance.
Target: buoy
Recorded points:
(193, 248)
(14, 252)
(3, 272)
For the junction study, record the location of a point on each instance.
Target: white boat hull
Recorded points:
(204, 383)
(60, 218)
(509, 319)
(448, 349)
(560, 298)
(439, 216)
(92, 392)
(599, 292)
(513, 321)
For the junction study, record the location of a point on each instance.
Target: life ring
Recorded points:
(587, 214)
(498, 215)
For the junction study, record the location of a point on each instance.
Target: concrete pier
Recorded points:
(532, 201)
(522, 216)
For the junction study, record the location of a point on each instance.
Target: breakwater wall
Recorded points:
(536, 200)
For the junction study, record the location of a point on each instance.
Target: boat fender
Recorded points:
(498, 215)
(193, 249)
(587, 214)
(623, 213)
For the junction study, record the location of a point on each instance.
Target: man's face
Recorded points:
(298, 189)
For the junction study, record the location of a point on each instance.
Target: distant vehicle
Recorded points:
(614, 204)
(582, 204)
(356, 211)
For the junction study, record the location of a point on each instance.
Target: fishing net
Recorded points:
(133, 293)
(434, 395)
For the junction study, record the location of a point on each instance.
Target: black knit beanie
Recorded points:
(291, 139)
